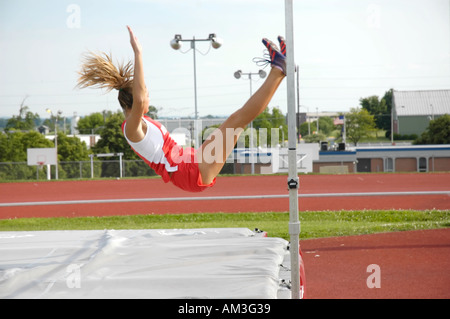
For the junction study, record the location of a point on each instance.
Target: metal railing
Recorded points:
(10, 171)
(19, 171)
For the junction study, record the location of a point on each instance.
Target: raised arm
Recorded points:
(135, 130)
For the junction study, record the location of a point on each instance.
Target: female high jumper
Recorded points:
(190, 169)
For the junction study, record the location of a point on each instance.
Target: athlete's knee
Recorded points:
(207, 173)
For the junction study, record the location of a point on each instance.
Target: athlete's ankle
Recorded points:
(277, 71)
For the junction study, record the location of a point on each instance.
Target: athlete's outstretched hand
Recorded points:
(137, 48)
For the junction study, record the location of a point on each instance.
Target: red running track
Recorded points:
(412, 264)
(226, 186)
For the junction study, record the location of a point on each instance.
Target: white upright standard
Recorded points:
(293, 181)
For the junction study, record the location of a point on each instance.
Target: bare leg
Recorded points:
(216, 149)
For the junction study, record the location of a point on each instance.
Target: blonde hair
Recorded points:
(99, 71)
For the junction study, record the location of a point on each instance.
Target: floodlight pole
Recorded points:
(56, 138)
(293, 180)
(175, 43)
(262, 75)
(195, 92)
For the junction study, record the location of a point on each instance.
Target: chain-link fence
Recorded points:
(75, 170)
(14, 171)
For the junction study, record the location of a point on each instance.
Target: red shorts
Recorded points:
(188, 176)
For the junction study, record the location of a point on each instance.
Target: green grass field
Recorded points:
(313, 224)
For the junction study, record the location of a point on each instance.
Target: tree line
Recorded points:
(19, 134)
(15, 142)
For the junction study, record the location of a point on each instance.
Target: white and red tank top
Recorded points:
(157, 148)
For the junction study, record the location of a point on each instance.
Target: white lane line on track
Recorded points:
(248, 197)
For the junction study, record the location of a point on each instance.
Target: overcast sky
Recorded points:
(346, 49)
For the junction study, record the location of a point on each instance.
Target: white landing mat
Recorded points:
(158, 263)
